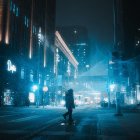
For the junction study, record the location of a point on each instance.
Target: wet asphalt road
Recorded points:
(91, 123)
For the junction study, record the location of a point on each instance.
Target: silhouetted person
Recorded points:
(69, 99)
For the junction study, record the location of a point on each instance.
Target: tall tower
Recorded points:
(77, 40)
(126, 27)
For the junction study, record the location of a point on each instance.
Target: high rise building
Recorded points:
(127, 27)
(27, 32)
(125, 65)
(76, 37)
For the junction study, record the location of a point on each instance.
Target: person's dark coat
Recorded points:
(69, 99)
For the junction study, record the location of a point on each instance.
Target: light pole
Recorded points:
(45, 89)
(118, 105)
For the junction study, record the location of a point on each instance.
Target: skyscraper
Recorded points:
(127, 46)
(127, 27)
(76, 38)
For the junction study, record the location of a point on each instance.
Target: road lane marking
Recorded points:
(8, 115)
(25, 118)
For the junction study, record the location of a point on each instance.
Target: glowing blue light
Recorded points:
(17, 11)
(81, 44)
(112, 87)
(14, 8)
(131, 101)
(106, 99)
(25, 20)
(11, 6)
(45, 88)
(62, 102)
(11, 67)
(31, 97)
(34, 88)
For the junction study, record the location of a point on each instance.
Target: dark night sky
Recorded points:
(96, 15)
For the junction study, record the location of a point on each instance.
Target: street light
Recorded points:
(45, 89)
(34, 88)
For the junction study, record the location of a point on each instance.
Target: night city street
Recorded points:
(91, 123)
(69, 69)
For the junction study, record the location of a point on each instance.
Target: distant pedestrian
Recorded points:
(69, 99)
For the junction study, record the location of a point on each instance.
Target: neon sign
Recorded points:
(11, 67)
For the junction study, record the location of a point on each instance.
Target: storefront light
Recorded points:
(31, 97)
(106, 99)
(131, 101)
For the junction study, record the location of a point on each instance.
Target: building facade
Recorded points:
(124, 67)
(27, 33)
(77, 39)
(65, 68)
(127, 24)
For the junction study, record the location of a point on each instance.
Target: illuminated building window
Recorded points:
(14, 8)
(39, 80)
(33, 29)
(25, 20)
(11, 5)
(17, 11)
(22, 73)
(31, 76)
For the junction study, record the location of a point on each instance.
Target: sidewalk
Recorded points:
(126, 126)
